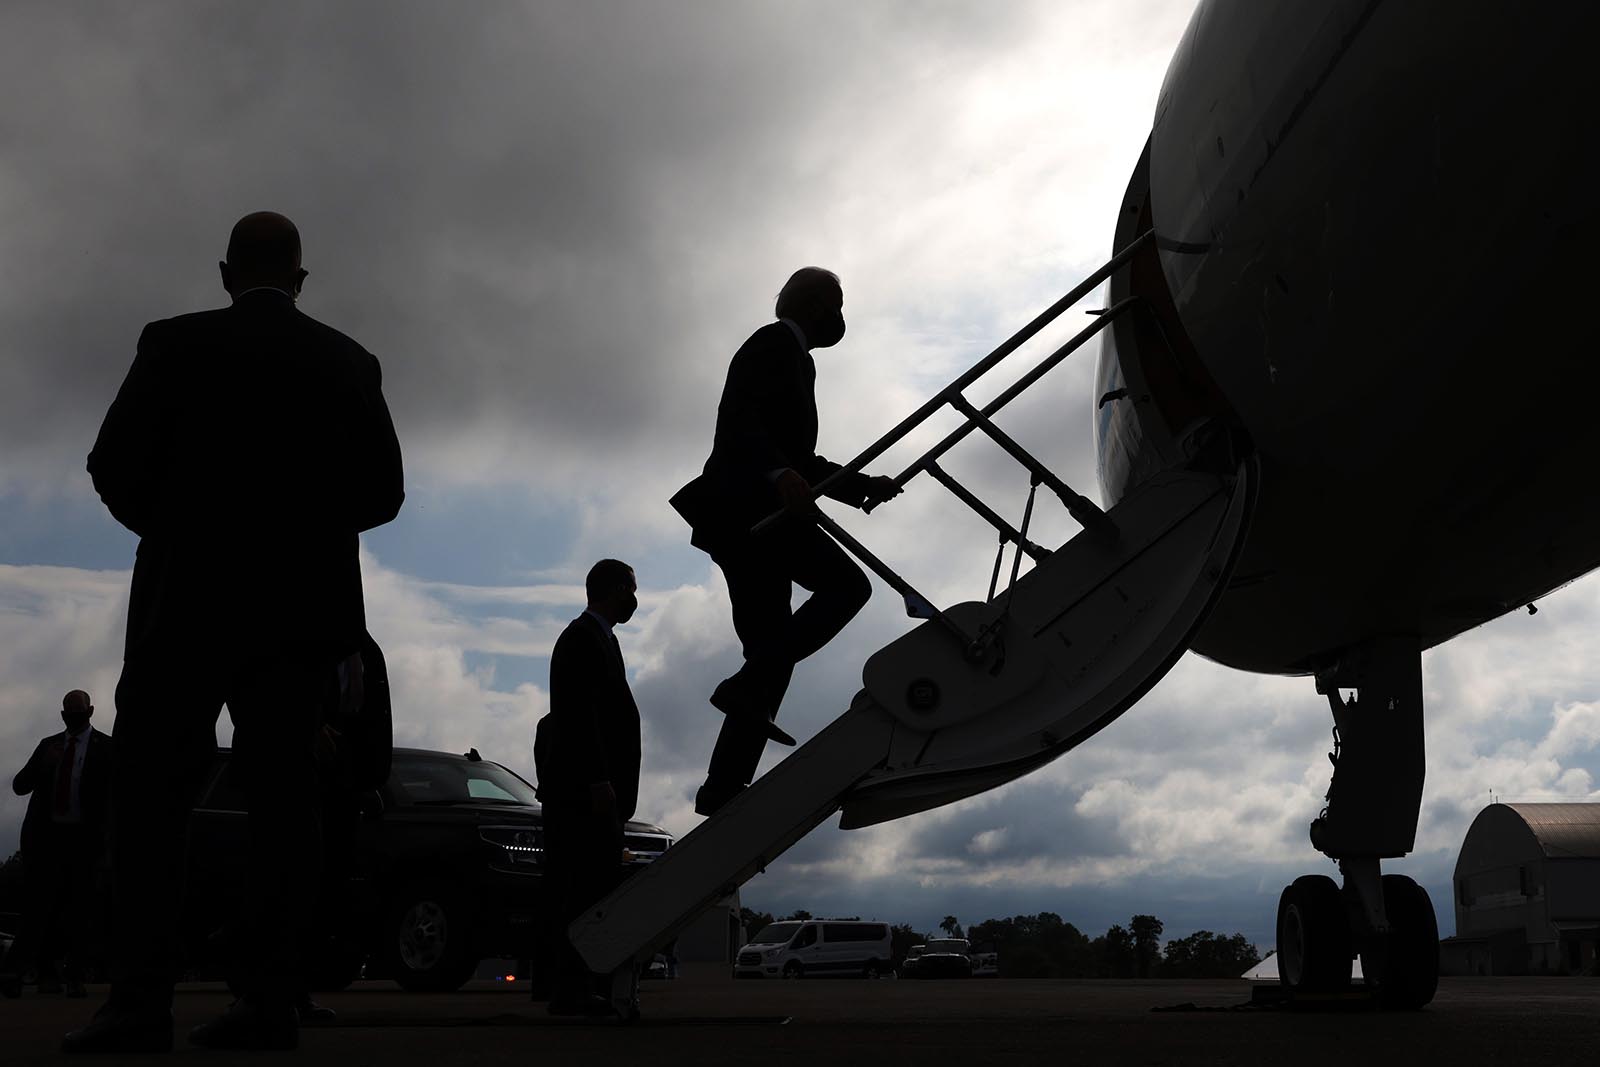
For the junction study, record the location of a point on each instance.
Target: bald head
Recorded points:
(76, 709)
(814, 300)
(263, 250)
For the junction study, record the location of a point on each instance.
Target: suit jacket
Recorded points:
(767, 420)
(37, 781)
(247, 448)
(591, 733)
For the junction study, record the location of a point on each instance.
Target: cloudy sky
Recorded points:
(554, 223)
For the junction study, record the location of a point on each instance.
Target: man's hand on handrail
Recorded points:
(880, 489)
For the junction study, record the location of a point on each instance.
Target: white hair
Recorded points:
(801, 287)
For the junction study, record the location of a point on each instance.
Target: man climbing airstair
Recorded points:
(982, 692)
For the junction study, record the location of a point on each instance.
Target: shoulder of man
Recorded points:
(773, 339)
(336, 341)
(579, 630)
(163, 335)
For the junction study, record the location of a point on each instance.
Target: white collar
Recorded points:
(266, 289)
(601, 619)
(799, 334)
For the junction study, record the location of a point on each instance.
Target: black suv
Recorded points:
(445, 871)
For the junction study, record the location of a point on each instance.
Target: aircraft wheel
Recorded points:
(1405, 970)
(1314, 946)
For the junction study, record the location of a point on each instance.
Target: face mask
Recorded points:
(831, 332)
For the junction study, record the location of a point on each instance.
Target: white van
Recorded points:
(817, 948)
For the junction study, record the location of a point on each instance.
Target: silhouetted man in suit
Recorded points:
(764, 457)
(67, 781)
(248, 447)
(586, 754)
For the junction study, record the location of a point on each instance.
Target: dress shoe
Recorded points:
(249, 1024)
(731, 697)
(117, 1030)
(593, 1006)
(713, 795)
(74, 989)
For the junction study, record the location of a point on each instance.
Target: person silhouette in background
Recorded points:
(67, 781)
(763, 457)
(248, 447)
(586, 755)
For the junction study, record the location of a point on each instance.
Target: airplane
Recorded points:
(1340, 416)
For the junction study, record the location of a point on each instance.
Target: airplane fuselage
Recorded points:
(1374, 229)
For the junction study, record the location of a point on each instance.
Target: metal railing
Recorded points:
(1083, 510)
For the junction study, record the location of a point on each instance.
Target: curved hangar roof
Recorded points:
(1557, 831)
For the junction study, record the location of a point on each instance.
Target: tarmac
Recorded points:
(707, 1018)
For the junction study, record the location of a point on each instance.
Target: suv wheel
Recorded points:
(792, 969)
(429, 942)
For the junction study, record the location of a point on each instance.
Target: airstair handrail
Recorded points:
(1087, 514)
(982, 367)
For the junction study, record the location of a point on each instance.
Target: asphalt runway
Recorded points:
(706, 1018)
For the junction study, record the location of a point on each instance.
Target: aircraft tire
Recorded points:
(1409, 972)
(1314, 945)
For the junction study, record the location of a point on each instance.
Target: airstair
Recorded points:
(981, 692)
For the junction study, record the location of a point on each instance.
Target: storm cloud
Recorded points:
(554, 223)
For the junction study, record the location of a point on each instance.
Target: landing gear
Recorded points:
(1372, 810)
(1314, 949)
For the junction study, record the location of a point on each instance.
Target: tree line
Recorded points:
(1046, 946)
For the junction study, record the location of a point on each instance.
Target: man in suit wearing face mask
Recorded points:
(764, 457)
(586, 753)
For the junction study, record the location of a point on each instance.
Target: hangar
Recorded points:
(1527, 891)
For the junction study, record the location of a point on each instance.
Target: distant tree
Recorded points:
(950, 926)
(1036, 946)
(1146, 930)
(901, 937)
(1026, 961)
(1206, 955)
(1116, 954)
(753, 921)
(799, 915)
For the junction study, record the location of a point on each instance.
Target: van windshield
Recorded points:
(773, 933)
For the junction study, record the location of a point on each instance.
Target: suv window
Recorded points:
(808, 936)
(443, 781)
(853, 932)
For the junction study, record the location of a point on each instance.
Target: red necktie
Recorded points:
(64, 777)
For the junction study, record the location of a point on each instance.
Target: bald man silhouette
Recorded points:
(248, 447)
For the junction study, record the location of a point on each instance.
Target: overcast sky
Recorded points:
(554, 223)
